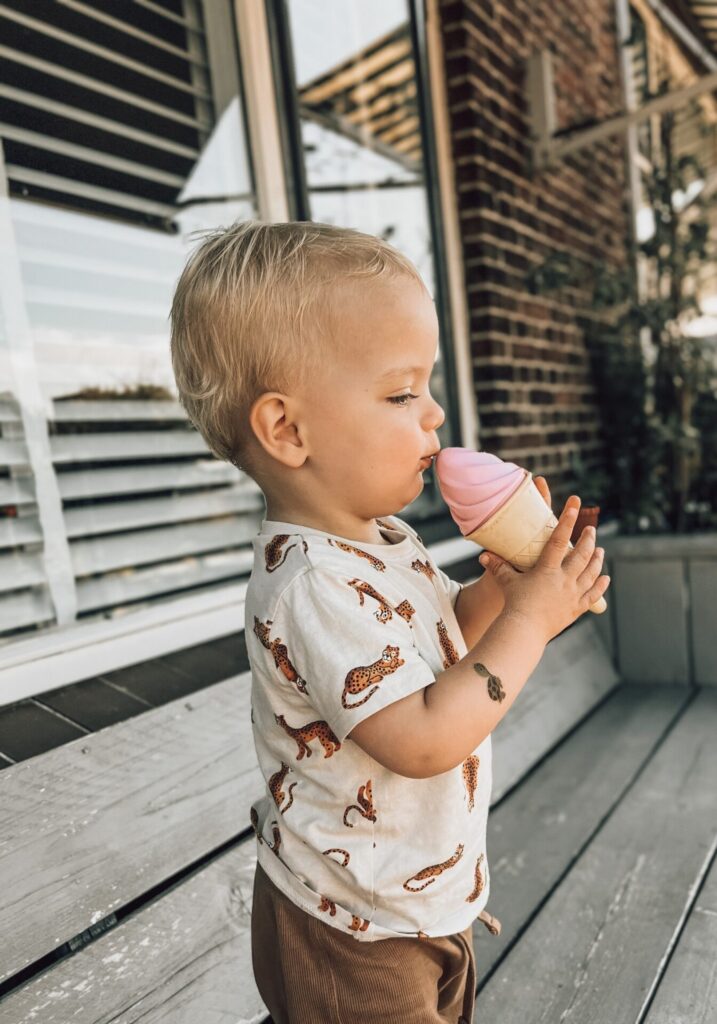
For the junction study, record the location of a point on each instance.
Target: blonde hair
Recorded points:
(252, 312)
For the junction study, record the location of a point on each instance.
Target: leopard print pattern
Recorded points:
(470, 777)
(273, 554)
(406, 610)
(372, 559)
(275, 784)
(337, 849)
(364, 806)
(425, 568)
(304, 734)
(357, 679)
(447, 645)
(479, 882)
(277, 834)
(432, 872)
(384, 612)
(280, 653)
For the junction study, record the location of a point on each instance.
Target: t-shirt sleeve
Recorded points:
(355, 653)
(453, 587)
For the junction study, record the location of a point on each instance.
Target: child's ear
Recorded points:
(272, 418)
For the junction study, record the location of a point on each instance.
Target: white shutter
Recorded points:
(148, 511)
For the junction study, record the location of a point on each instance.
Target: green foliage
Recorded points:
(656, 385)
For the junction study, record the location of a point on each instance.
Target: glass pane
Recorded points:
(117, 145)
(356, 88)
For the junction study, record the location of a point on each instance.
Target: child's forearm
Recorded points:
(464, 705)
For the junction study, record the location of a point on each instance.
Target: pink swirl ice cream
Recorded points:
(474, 484)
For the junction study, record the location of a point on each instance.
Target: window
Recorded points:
(359, 145)
(122, 128)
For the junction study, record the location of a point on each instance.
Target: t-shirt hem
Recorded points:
(307, 900)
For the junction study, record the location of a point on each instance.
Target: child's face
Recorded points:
(346, 452)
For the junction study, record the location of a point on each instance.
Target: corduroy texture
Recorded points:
(308, 972)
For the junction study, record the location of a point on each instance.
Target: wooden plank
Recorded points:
(140, 547)
(535, 834)
(150, 796)
(688, 991)
(130, 515)
(17, 491)
(93, 704)
(131, 444)
(92, 483)
(574, 674)
(169, 578)
(9, 412)
(26, 730)
(95, 646)
(625, 898)
(211, 661)
(157, 682)
(183, 959)
(13, 453)
(663, 547)
(123, 410)
(21, 570)
(18, 610)
(703, 594)
(20, 530)
(652, 635)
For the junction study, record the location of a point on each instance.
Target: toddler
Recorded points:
(303, 354)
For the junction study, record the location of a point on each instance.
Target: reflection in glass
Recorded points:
(118, 144)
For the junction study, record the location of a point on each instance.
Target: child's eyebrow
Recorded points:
(398, 370)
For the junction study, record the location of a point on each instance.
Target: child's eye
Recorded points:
(398, 399)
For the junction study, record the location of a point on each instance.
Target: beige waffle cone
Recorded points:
(520, 529)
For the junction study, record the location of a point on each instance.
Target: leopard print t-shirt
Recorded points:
(335, 631)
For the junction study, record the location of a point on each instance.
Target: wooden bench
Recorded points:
(127, 856)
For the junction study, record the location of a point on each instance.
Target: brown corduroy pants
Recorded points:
(308, 972)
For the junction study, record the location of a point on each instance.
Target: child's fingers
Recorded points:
(557, 544)
(542, 484)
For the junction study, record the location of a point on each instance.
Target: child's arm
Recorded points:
(477, 607)
(434, 729)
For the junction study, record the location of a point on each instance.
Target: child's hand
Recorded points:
(562, 584)
(492, 590)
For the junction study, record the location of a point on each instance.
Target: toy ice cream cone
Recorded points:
(497, 505)
(587, 516)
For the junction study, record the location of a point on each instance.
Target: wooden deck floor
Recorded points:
(601, 850)
(603, 871)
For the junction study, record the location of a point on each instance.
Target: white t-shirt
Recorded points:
(335, 631)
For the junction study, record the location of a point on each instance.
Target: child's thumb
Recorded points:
(492, 561)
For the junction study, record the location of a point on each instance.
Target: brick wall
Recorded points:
(533, 387)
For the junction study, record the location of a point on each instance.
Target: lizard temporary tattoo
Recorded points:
(495, 689)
